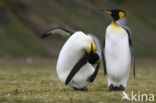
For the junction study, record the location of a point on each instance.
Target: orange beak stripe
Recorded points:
(108, 12)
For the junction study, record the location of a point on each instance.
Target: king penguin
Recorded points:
(77, 58)
(118, 50)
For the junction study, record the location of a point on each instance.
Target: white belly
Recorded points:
(68, 57)
(118, 57)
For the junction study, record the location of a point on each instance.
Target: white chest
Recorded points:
(116, 38)
(117, 50)
(117, 44)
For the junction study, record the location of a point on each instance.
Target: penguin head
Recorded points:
(116, 14)
(93, 57)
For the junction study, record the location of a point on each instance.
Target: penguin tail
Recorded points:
(58, 30)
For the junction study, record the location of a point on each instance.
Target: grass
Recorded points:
(38, 83)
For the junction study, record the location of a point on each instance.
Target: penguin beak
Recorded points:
(107, 12)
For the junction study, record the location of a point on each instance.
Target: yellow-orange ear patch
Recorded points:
(91, 45)
(121, 14)
(94, 47)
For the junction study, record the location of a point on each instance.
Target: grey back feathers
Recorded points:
(123, 23)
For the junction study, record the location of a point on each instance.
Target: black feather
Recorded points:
(76, 68)
(103, 57)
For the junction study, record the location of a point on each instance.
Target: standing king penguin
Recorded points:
(117, 51)
(75, 65)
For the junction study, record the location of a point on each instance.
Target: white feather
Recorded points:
(118, 56)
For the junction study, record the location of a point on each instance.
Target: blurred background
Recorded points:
(22, 22)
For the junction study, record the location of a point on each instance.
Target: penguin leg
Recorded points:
(80, 89)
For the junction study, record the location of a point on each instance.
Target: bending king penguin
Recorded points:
(75, 65)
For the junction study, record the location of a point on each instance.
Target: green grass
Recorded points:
(38, 83)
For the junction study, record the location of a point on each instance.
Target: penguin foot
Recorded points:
(80, 89)
(111, 88)
(90, 79)
(120, 88)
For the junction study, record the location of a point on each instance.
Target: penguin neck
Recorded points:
(114, 24)
(122, 22)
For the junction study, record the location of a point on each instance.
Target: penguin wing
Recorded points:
(76, 68)
(132, 48)
(103, 58)
(58, 30)
(97, 42)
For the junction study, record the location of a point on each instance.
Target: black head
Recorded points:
(93, 57)
(116, 14)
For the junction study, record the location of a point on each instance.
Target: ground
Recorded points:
(39, 83)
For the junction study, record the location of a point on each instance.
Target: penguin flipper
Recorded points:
(93, 76)
(132, 48)
(133, 54)
(103, 58)
(58, 30)
(76, 68)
